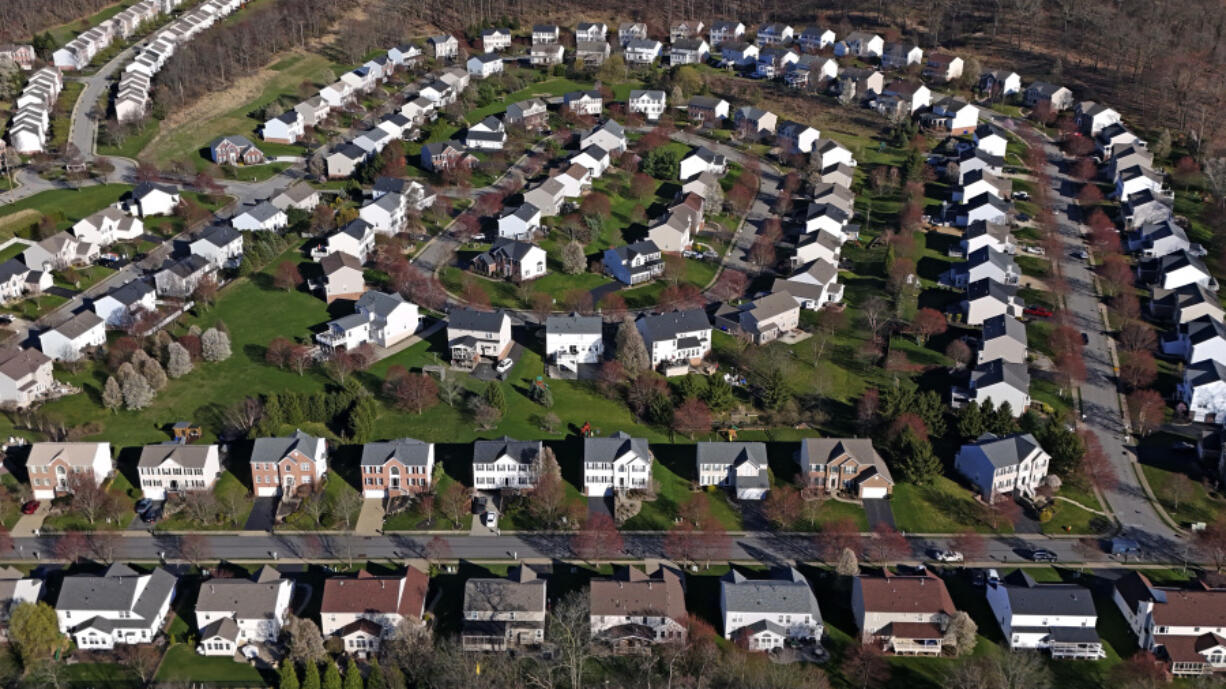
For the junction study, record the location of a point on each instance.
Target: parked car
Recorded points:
(947, 556)
(1039, 311)
(1085, 339)
(1036, 250)
(1081, 254)
(152, 515)
(30, 507)
(143, 504)
(1021, 195)
(504, 366)
(490, 519)
(1043, 555)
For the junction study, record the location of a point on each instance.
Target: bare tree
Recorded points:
(141, 659)
(570, 628)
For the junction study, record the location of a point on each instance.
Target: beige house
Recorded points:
(845, 465)
(25, 376)
(50, 466)
(342, 277)
(175, 468)
(504, 614)
(764, 319)
(905, 615)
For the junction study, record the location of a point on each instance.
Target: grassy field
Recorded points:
(183, 664)
(942, 507)
(134, 144)
(65, 205)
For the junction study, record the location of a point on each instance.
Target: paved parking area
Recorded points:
(370, 519)
(263, 515)
(878, 512)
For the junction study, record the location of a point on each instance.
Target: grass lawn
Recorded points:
(942, 507)
(1199, 505)
(1073, 519)
(13, 251)
(227, 484)
(102, 675)
(670, 472)
(133, 144)
(415, 519)
(61, 117)
(334, 488)
(183, 664)
(69, 520)
(65, 205)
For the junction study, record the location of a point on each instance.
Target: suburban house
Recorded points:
(592, 53)
(1185, 304)
(281, 466)
(118, 606)
(148, 199)
(913, 95)
(1004, 337)
(69, 340)
(649, 104)
(776, 34)
(976, 183)
(700, 160)
(643, 51)
(16, 280)
(763, 614)
(314, 110)
(263, 216)
(443, 47)
(176, 468)
(986, 298)
(811, 72)
(235, 150)
(1183, 627)
(221, 245)
(998, 382)
(795, 138)
(754, 122)
(374, 140)
(674, 232)
(583, 103)
(689, 51)
(231, 613)
(687, 28)
(15, 589)
(830, 153)
(708, 111)
(813, 285)
(591, 31)
(608, 135)
(529, 114)
(506, 463)
(512, 259)
(1093, 117)
(380, 318)
(824, 246)
(902, 614)
(1000, 82)
(107, 226)
(633, 264)
(860, 44)
(1197, 340)
(472, 335)
(545, 54)
(547, 196)
(344, 160)
(860, 83)
(629, 31)
(385, 214)
(50, 465)
(1054, 96)
(774, 62)
(633, 610)
(25, 376)
(59, 251)
(991, 140)
(504, 614)
(615, 464)
(440, 156)
(363, 610)
(943, 67)
(595, 159)
(738, 54)
(342, 276)
(739, 466)
(495, 39)
(1157, 238)
(901, 55)
(724, 31)
(546, 34)
(1203, 391)
(286, 128)
(181, 278)
(396, 468)
(118, 306)
(955, 116)
(299, 195)
(984, 263)
(572, 340)
(981, 234)
(408, 53)
(765, 319)
(1174, 271)
(482, 66)
(1059, 618)
(521, 222)
(676, 337)
(845, 466)
(1014, 464)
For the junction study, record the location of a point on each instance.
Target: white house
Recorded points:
(546, 34)
(651, 104)
(573, 340)
(1054, 95)
(813, 286)
(482, 66)
(814, 38)
(643, 51)
(474, 334)
(1004, 337)
(608, 135)
(984, 234)
(1014, 464)
(174, 468)
(595, 159)
(363, 610)
(263, 216)
(724, 31)
(615, 464)
(286, 128)
(738, 53)
(689, 51)
(739, 466)
(108, 226)
(386, 214)
(986, 298)
(764, 613)
(1000, 82)
(25, 376)
(522, 222)
(860, 44)
(1197, 340)
(1059, 618)
(495, 39)
(584, 103)
(149, 199)
(678, 336)
(380, 318)
(700, 160)
(633, 610)
(120, 606)
(901, 55)
(231, 613)
(1182, 626)
(506, 463)
(1174, 271)
(902, 614)
(15, 589)
(221, 245)
(512, 259)
(69, 340)
(991, 140)
(50, 465)
(1157, 238)
(1203, 391)
(795, 138)
(118, 306)
(956, 115)
(1093, 117)
(774, 62)
(998, 382)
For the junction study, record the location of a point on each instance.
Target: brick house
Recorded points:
(397, 467)
(279, 466)
(845, 465)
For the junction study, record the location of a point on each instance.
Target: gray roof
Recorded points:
(1004, 326)
(629, 251)
(224, 628)
(244, 598)
(117, 589)
(1029, 598)
(218, 235)
(380, 304)
(826, 450)
(642, 44)
(574, 324)
(504, 595)
(275, 449)
(731, 453)
(687, 44)
(1005, 451)
(514, 249)
(188, 266)
(12, 268)
(78, 325)
(1205, 328)
(488, 58)
(987, 254)
(1205, 372)
(522, 451)
(707, 155)
(263, 211)
(666, 326)
(988, 287)
(406, 450)
(130, 293)
(188, 456)
(998, 371)
(357, 228)
(145, 188)
(771, 305)
(471, 319)
(705, 101)
(785, 592)
(614, 446)
(349, 151)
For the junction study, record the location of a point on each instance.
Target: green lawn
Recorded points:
(71, 521)
(133, 144)
(334, 488)
(1199, 505)
(66, 205)
(101, 675)
(941, 507)
(675, 481)
(1073, 519)
(414, 519)
(227, 484)
(183, 664)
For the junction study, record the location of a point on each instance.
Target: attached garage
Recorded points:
(872, 492)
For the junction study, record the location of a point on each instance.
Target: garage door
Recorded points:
(872, 492)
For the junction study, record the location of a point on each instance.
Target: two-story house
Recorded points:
(634, 264)
(763, 614)
(364, 610)
(700, 160)
(677, 336)
(512, 259)
(342, 276)
(724, 31)
(521, 222)
(70, 340)
(847, 466)
(504, 614)
(629, 31)
(530, 114)
(813, 285)
(1203, 391)
(25, 376)
(1059, 618)
(987, 298)
(615, 464)
(1182, 626)
(493, 40)
(902, 614)
(648, 103)
(764, 319)
(574, 340)
(643, 51)
(221, 245)
(118, 606)
(473, 334)
(51, 466)
(999, 382)
(1014, 464)
(482, 66)
(1004, 337)
(709, 111)
(633, 610)
(1201, 339)
(117, 306)
(107, 226)
(583, 103)
(175, 468)
(282, 466)
(739, 466)
(395, 468)
(286, 128)
(505, 463)
(231, 613)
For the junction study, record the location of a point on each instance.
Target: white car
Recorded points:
(948, 556)
(504, 366)
(490, 519)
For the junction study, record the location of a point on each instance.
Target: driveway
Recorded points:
(878, 512)
(62, 291)
(263, 515)
(370, 519)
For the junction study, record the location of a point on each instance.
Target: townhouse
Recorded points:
(505, 463)
(283, 466)
(763, 614)
(396, 468)
(845, 466)
(176, 468)
(616, 464)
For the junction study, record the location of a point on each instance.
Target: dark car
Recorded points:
(143, 505)
(30, 507)
(1043, 555)
(1085, 338)
(152, 515)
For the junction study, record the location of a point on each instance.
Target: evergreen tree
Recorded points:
(375, 679)
(291, 408)
(495, 397)
(1064, 446)
(914, 458)
(718, 394)
(687, 387)
(332, 676)
(631, 350)
(316, 408)
(361, 422)
(542, 395)
(273, 416)
(289, 678)
(1002, 422)
(775, 390)
(353, 676)
(970, 422)
(112, 396)
(310, 675)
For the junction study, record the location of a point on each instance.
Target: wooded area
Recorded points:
(21, 19)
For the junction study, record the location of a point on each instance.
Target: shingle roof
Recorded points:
(731, 453)
(631, 592)
(785, 592)
(522, 593)
(118, 588)
(408, 451)
(337, 260)
(376, 594)
(574, 324)
(276, 449)
(1005, 451)
(78, 325)
(1026, 597)
(245, 598)
(828, 450)
(471, 319)
(667, 326)
(905, 594)
(187, 456)
(1004, 326)
(1000, 371)
(131, 292)
(218, 235)
(596, 449)
(522, 451)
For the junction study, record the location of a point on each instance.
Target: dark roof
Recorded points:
(514, 249)
(731, 453)
(574, 324)
(131, 292)
(218, 235)
(1026, 597)
(350, 151)
(78, 325)
(999, 371)
(276, 449)
(471, 319)
(988, 287)
(522, 451)
(614, 446)
(666, 326)
(405, 450)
